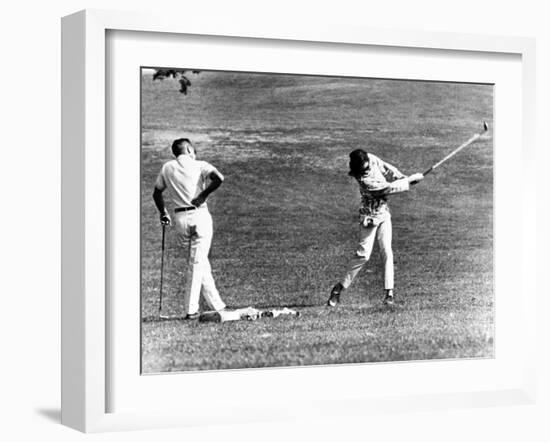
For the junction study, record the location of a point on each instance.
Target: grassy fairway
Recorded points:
(286, 220)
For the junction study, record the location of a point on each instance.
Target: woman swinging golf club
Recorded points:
(377, 179)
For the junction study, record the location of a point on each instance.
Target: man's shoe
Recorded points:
(388, 300)
(192, 316)
(334, 298)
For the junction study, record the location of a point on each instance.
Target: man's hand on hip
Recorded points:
(199, 200)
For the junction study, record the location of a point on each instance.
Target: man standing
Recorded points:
(376, 180)
(189, 183)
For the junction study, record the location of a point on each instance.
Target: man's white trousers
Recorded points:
(195, 230)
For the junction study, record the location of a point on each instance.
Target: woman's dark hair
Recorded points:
(357, 160)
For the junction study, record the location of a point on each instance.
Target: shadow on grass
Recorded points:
(156, 318)
(359, 308)
(161, 319)
(275, 307)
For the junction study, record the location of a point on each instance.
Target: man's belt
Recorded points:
(184, 209)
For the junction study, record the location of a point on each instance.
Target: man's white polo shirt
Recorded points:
(185, 178)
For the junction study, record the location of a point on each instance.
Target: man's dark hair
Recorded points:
(177, 146)
(357, 160)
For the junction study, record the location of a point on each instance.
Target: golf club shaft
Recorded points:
(162, 266)
(458, 149)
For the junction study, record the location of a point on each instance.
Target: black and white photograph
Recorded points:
(301, 220)
(276, 221)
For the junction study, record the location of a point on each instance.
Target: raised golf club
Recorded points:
(458, 149)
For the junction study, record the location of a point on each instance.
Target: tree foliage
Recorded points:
(176, 74)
